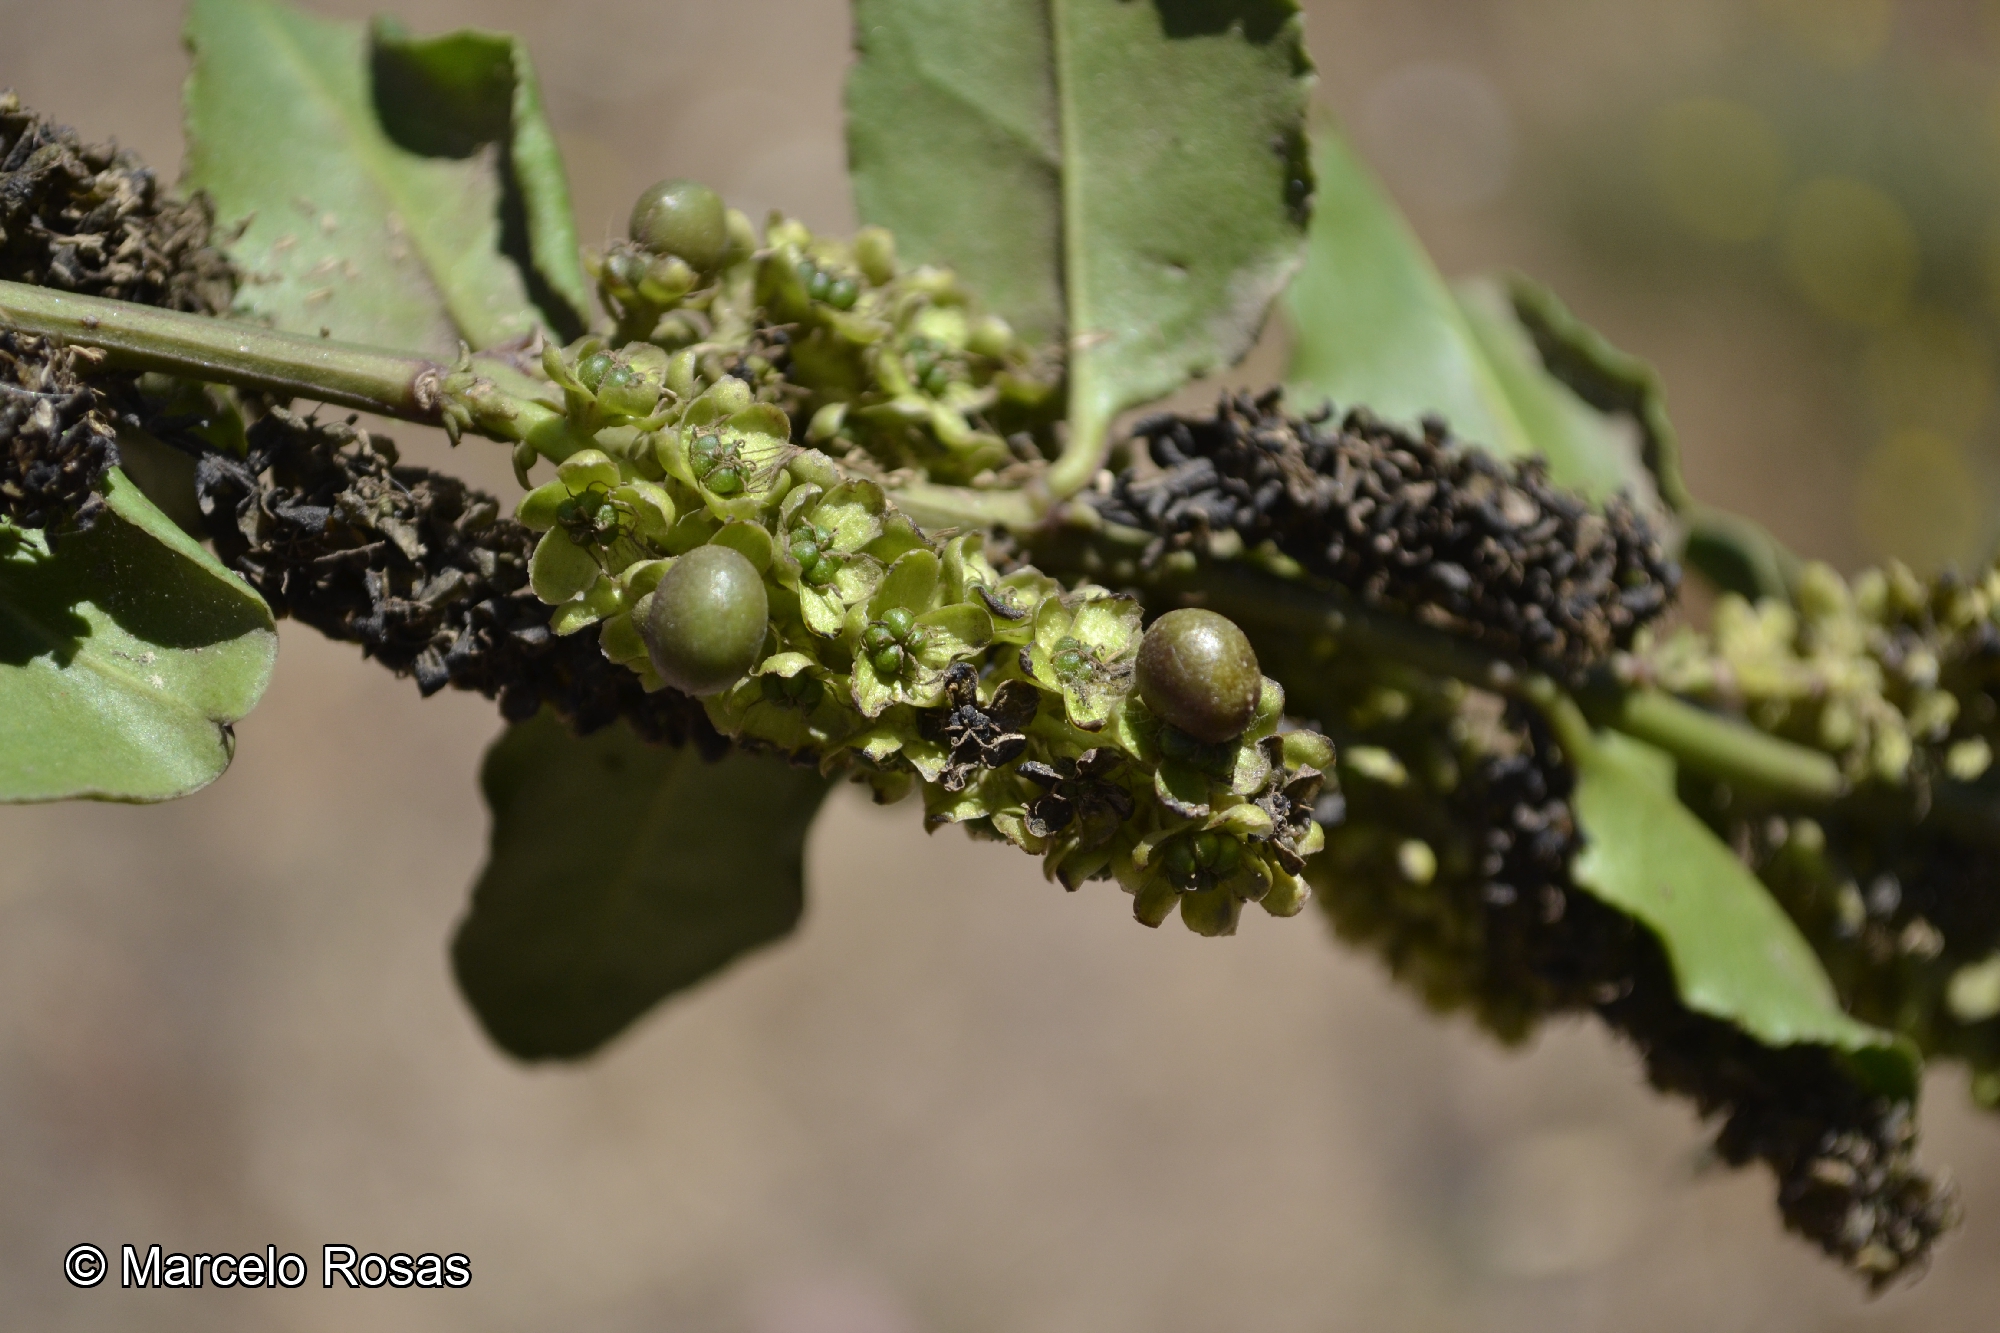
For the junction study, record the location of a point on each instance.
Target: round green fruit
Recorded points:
(1198, 672)
(683, 218)
(708, 620)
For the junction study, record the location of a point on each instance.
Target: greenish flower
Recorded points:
(821, 552)
(1085, 645)
(904, 641)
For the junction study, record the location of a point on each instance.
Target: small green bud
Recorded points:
(703, 453)
(875, 252)
(730, 395)
(684, 218)
(936, 380)
(724, 481)
(1207, 846)
(667, 279)
(808, 691)
(898, 621)
(1197, 671)
(824, 568)
(1416, 862)
(708, 620)
(820, 286)
(826, 422)
(681, 373)
(888, 662)
(842, 293)
(1180, 858)
(876, 638)
(990, 336)
(1228, 858)
(590, 370)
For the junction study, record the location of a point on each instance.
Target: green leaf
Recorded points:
(1596, 456)
(1733, 552)
(1130, 174)
(620, 873)
(1736, 956)
(400, 192)
(1377, 327)
(125, 656)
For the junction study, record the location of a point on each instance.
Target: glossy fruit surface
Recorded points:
(682, 218)
(708, 620)
(1198, 672)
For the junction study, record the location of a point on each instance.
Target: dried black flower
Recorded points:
(55, 440)
(91, 218)
(420, 570)
(980, 737)
(88, 219)
(1075, 790)
(1503, 931)
(1447, 535)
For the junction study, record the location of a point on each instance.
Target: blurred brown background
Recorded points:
(961, 1101)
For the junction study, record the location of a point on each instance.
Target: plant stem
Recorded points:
(222, 352)
(483, 394)
(1715, 745)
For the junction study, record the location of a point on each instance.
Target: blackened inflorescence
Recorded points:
(1516, 940)
(55, 441)
(1446, 534)
(419, 569)
(90, 218)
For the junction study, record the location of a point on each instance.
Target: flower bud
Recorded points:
(875, 252)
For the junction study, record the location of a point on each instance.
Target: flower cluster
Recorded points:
(879, 365)
(904, 657)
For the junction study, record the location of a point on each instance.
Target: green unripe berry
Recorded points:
(808, 691)
(724, 481)
(823, 569)
(1207, 846)
(804, 550)
(1180, 858)
(842, 293)
(936, 380)
(898, 620)
(774, 688)
(1068, 662)
(709, 618)
(888, 662)
(917, 639)
(819, 285)
(876, 638)
(1198, 672)
(683, 218)
(1228, 858)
